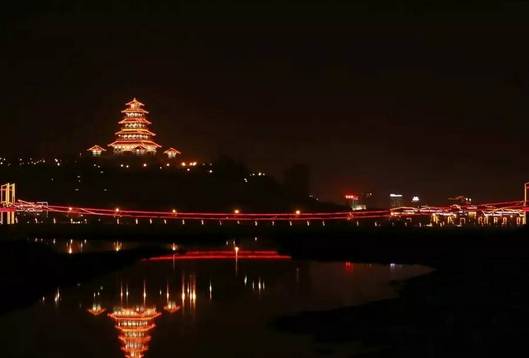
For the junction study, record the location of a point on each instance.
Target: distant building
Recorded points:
(134, 136)
(353, 200)
(460, 200)
(359, 201)
(172, 153)
(395, 200)
(416, 201)
(96, 150)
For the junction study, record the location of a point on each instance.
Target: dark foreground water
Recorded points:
(205, 303)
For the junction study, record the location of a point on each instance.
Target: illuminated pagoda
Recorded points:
(134, 326)
(134, 135)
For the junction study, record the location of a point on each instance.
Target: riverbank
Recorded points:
(472, 309)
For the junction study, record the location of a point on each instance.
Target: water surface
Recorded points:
(207, 303)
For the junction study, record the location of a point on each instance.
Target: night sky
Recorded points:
(398, 96)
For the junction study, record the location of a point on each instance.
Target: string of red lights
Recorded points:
(237, 215)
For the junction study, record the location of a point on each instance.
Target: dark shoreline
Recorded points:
(472, 311)
(474, 304)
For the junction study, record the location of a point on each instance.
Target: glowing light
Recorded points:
(298, 212)
(236, 211)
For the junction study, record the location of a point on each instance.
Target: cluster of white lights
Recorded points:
(134, 136)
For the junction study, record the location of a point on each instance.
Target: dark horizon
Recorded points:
(416, 100)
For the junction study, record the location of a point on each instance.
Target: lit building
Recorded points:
(395, 200)
(416, 201)
(134, 135)
(171, 153)
(359, 201)
(460, 200)
(134, 326)
(354, 202)
(96, 150)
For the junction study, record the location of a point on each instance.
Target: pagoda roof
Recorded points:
(134, 106)
(134, 101)
(172, 150)
(137, 142)
(134, 120)
(134, 110)
(96, 148)
(135, 130)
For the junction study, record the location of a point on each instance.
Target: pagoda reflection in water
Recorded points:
(135, 322)
(134, 325)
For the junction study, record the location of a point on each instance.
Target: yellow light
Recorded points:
(144, 165)
(117, 210)
(236, 249)
(174, 211)
(236, 211)
(298, 212)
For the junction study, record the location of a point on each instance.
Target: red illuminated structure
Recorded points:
(134, 135)
(134, 326)
(206, 255)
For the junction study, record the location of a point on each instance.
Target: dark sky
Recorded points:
(381, 96)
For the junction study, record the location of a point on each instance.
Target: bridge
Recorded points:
(500, 213)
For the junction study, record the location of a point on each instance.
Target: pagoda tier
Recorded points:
(134, 136)
(134, 325)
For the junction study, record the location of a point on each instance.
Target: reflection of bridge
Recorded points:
(502, 213)
(236, 254)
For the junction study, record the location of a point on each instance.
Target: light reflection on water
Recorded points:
(217, 302)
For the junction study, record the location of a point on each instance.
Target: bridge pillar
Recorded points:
(525, 198)
(7, 203)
